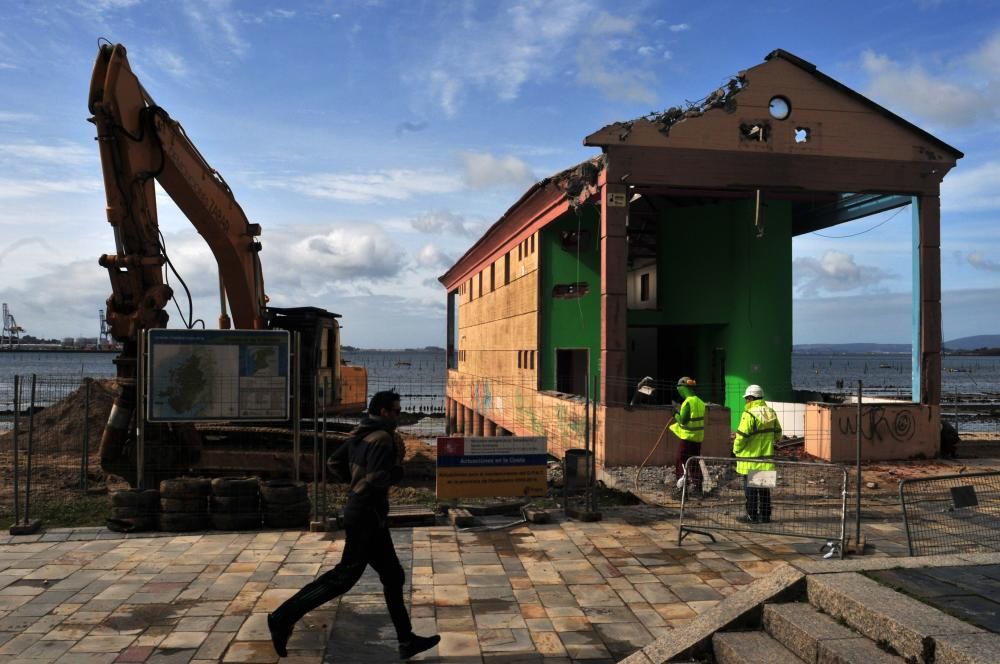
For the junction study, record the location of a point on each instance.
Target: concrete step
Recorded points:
(891, 619)
(817, 638)
(750, 648)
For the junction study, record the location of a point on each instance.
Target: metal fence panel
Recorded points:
(48, 457)
(790, 498)
(952, 513)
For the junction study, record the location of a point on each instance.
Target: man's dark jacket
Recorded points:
(372, 462)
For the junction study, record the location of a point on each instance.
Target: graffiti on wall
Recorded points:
(879, 423)
(526, 411)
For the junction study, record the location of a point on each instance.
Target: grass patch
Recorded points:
(63, 512)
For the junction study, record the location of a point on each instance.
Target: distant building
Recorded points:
(670, 254)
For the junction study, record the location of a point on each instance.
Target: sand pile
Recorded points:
(58, 437)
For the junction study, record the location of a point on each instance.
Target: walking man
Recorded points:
(755, 436)
(689, 427)
(372, 459)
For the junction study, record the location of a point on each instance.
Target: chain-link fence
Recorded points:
(788, 498)
(628, 434)
(952, 513)
(49, 440)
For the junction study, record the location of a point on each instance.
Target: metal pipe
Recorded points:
(857, 517)
(31, 434)
(17, 433)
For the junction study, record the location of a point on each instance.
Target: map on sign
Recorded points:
(205, 375)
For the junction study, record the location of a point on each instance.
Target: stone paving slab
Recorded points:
(558, 592)
(555, 593)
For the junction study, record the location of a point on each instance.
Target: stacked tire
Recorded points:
(235, 503)
(134, 510)
(184, 504)
(286, 503)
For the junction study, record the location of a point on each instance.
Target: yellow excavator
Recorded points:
(141, 144)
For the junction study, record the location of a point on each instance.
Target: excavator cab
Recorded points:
(339, 387)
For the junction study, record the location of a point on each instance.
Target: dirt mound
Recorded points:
(61, 426)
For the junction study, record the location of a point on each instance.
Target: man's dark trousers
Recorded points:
(367, 543)
(758, 502)
(686, 450)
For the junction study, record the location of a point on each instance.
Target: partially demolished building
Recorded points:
(670, 254)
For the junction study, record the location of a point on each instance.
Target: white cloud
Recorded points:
(597, 68)
(646, 51)
(13, 118)
(835, 271)
(979, 261)
(445, 222)
(430, 256)
(987, 58)
(679, 27)
(972, 189)
(528, 42)
(954, 97)
(361, 253)
(7, 65)
(65, 153)
(483, 170)
(215, 24)
(392, 184)
(106, 5)
(11, 188)
(169, 62)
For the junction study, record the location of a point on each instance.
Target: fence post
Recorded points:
(17, 442)
(586, 443)
(326, 388)
(857, 516)
(31, 433)
(315, 389)
(296, 407)
(593, 441)
(84, 459)
(140, 412)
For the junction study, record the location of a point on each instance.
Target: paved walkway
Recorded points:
(555, 593)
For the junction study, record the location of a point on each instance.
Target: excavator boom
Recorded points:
(140, 144)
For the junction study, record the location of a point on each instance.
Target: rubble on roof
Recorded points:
(664, 120)
(578, 179)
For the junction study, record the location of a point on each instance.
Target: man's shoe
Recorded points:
(417, 644)
(279, 636)
(750, 519)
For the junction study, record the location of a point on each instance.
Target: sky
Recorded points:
(376, 141)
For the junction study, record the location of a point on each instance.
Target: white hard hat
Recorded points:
(754, 391)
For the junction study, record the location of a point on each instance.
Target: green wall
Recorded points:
(575, 322)
(713, 271)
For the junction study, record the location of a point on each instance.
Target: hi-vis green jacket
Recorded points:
(689, 423)
(755, 436)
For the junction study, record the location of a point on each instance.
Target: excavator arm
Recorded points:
(139, 143)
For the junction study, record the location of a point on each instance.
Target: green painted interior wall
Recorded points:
(713, 271)
(576, 322)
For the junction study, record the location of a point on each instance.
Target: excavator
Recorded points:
(140, 144)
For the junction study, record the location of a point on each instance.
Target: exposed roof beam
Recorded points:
(807, 219)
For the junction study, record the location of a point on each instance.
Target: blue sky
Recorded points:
(375, 141)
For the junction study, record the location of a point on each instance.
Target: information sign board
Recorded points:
(217, 375)
(492, 466)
